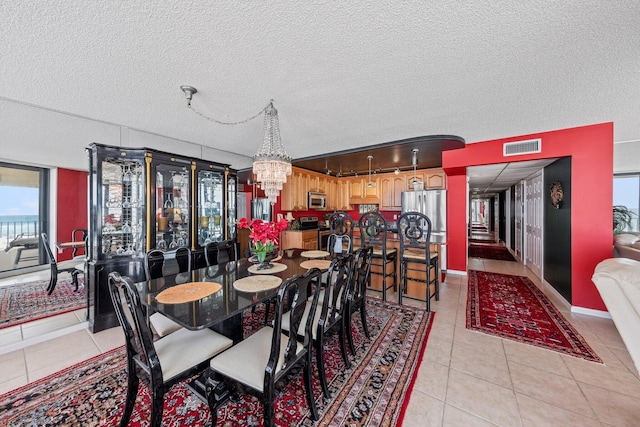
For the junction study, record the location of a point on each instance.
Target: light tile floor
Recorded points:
(466, 378)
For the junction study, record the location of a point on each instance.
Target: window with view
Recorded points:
(626, 192)
(23, 191)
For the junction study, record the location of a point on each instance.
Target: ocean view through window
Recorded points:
(23, 190)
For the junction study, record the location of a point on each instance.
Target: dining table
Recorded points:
(221, 293)
(217, 297)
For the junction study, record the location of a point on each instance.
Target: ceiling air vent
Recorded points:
(522, 147)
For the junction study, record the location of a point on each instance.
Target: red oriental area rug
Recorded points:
(513, 307)
(26, 302)
(371, 393)
(490, 252)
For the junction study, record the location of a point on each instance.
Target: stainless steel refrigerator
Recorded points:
(432, 203)
(261, 209)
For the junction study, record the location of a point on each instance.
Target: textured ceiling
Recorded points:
(342, 74)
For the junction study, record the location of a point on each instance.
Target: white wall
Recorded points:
(626, 156)
(40, 137)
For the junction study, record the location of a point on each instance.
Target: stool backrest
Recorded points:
(341, 224)
(414, 232)
(373, 231)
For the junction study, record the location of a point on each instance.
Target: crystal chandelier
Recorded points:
(271, 164)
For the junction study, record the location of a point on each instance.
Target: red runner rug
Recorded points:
(490, 252)
(372, 393)
(489, 241)
(513, 307)
(26, 302)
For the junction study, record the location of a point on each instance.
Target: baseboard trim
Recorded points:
(458, 272)
(590, 312)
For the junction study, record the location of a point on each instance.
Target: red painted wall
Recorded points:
(591, 150)
(71, 206)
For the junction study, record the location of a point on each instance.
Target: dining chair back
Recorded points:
(356, 300)
(80, 235)
(158, 263)
(414, 232)
(164, 362)
(74, 266)
(330, 314)
(269, 355)
(373, 232)
(219, 252)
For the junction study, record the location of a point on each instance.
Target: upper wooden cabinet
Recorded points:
(342, 193)
(360, 192)
(294, 192)
(434, 178)
(391, 188)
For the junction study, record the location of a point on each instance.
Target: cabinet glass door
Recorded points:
(210, 207)
(232, 195)
(172, 201)
(122, 207)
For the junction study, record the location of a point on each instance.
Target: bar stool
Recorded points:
(341, 227)
(373, 232)
(414, 231)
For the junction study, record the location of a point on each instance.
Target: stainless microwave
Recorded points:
(317, 200)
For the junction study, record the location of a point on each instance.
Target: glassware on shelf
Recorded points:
(162, 244)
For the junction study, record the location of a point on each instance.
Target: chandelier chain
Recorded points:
(230, 123)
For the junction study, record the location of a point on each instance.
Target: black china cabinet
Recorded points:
(141, 199)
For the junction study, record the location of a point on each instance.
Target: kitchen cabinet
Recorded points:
(391, 188)
(363, 193)
(304, 239)
(331, 189)
(343, 193)
(434, 179)
(142, 199)
(342, 188)
(294, 191)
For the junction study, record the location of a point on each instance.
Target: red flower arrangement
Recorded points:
(265, 235)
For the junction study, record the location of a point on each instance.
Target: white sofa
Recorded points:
(618, 281)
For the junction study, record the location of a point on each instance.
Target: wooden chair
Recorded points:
(356, 300)
(414, 231)
(74, 266)
(163, 363)
(330, 314)
(269, 355)
(373, 232)
(158, 264)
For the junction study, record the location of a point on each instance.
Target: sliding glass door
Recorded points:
(626, 192)
(23, 214)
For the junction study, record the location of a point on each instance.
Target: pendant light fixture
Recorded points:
(414, 162)
(271, 163)
(370, 183)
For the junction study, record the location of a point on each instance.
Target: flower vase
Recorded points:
(264, 256)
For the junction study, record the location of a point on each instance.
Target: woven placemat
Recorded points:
(257, 283)
(322, 264)
(277, 268)
(187, 292)
(314, 254)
